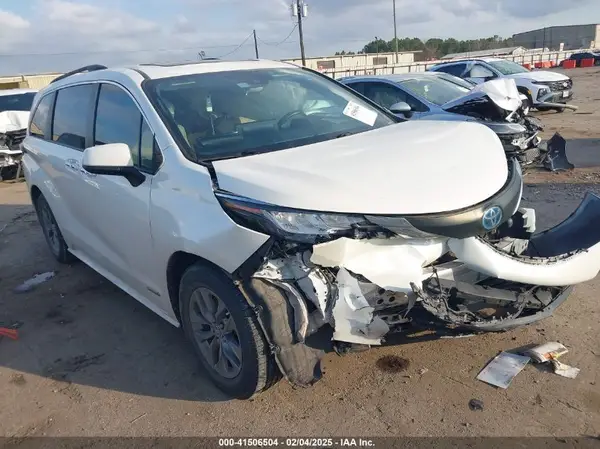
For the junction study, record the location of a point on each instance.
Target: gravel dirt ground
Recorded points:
(91, 361)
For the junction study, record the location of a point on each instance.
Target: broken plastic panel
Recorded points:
(556, 157)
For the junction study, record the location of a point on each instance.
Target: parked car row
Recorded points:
(257, 204)
(496, 103)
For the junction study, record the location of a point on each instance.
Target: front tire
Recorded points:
(225, 333)
(54, 238)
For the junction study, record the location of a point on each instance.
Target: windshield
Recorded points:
(434, 89)
(507, 67)
(236, 113)
(19, 102)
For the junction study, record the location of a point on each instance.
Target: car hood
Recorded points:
(539, 75)
(503, 92)
(13, 120)
(408, 168)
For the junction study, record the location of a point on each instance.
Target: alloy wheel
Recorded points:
(215, 333)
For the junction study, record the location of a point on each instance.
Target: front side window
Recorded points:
(507, 67)
(236, 113)
(118, 120)
(434, 90)
(71, 115)
(40, 122)
(20, 102)
(387, 95)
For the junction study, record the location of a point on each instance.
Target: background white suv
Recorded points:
(544, 89)
(256, 203)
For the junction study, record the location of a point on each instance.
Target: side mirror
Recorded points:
(113, 159)
(401, 108)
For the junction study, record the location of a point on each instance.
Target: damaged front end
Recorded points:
(10, 153)
(367, 277)
(497, 104)
(13, 126)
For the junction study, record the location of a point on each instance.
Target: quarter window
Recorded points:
(40, 123)
(71, 113)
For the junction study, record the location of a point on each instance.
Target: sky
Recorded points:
(39, 36)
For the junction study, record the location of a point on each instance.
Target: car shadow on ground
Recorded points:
(79, 329)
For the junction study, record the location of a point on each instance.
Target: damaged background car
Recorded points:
(545, 90)
(14, 117)
(440, 96)
(263, 207)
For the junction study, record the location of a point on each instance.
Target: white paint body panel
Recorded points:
(480, 257)
(109, 155)
(539, 75)
(408, 168)
(13, 120)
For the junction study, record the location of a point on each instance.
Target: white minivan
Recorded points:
(258, 204)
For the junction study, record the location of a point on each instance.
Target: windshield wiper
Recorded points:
(346, 134)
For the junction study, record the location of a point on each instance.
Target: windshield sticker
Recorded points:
(360, 113)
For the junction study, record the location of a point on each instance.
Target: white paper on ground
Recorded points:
(565, 370)
(360, 113)
(501, 371)
(546, 352)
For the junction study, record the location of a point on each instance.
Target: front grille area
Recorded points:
(15, 138)
(559, 86)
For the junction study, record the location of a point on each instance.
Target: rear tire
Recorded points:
(225, 333)
(54, 238)
(559, 110)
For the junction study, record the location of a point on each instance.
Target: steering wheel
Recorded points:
(288, 117)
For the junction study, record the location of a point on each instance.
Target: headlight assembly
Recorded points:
(299, 225)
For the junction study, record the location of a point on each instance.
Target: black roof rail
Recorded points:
(87, 68)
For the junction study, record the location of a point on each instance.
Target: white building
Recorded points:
(341, 62)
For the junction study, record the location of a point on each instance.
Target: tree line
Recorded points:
(432, 48)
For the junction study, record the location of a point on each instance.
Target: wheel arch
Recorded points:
(181, 260)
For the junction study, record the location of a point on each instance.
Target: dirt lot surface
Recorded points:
(91, 361)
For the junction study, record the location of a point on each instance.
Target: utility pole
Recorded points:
(255, 44)
(395, 34)
(299, 9)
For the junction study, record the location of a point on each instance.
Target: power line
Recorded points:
(238, 47)
(276, 44)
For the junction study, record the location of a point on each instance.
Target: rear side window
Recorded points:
(455, 69)
(358, 87)
(71, 115)
(119, 120)
(40, 123)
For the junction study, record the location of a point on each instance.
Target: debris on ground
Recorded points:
(392, 364)
(10, 330)
(501, 371)
(564, 370)
(550, 352)
(33, 282)
(10, 333)
(423, 371)
(546, 352)
(476, 405)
